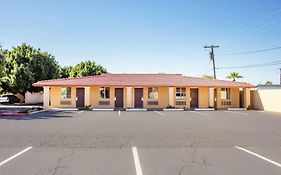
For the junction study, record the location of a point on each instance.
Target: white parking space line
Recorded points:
(259, 156)
(160, 113)
(14, 156)
(80, 112)
(240, 113)
(136, 161)
(200, 113)
(119, 113)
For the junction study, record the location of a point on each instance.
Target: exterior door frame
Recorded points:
(197, 98)
(119, 100)
(80, 103)
(138, 102)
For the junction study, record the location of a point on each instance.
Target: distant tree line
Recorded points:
(24, 65)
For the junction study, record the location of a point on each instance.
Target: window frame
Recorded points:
(182, 90)
(66, 93)
(226, 96)
(104, 96)
(155, 90)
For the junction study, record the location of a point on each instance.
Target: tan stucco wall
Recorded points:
(266, 99)
(163, 98)
(95, 97)
(203, 97)
(56, 98)
(234, 98)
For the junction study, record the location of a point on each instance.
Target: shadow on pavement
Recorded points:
(42, 115)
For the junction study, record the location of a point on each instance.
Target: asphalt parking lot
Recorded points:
(141, 143)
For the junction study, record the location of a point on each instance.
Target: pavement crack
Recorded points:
(181, 169)
(58, 166)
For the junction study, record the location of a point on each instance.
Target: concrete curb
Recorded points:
(204, 109)
(100, 109)
(36, 112)
(173, 109)
(132, 110)
(65, 109)
(237, 109)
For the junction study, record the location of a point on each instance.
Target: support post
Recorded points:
(87, 96)
(129, 97)
(171, 96)
(46, 97)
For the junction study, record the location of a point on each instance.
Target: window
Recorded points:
(66, 92)
(153, 93)
(180, 93)
(225, 93)
(105, 92)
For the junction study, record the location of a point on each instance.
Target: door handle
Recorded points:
(114, 98)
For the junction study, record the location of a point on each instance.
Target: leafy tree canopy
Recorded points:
(234, 76)
(25, 65)
(268, 82)
(209, 77)
(87, 68)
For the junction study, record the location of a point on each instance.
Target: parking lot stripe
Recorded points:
(14, 156)
(259, 156)
(136, 161)
(240, 113)
(201, 113)
(160, 113)
(80, 112)
(119, 113)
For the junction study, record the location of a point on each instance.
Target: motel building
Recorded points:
(144, 91)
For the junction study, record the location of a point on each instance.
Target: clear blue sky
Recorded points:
(149, 36)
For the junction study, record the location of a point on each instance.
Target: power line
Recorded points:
(248, 27)
(253, 65)
(250, 52)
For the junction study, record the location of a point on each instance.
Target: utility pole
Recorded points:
(212, 57)
(280, 76)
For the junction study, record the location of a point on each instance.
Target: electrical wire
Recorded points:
(250, 52)
(248, 27)
(253, 65)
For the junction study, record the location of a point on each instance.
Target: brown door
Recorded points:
(138, 97)
(194, 98)
(118, 97)
(241, 99)
(80, 97)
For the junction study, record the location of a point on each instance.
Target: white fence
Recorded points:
(34, 97)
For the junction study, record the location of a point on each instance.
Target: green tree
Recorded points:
(268, 82)
(209, 77)
(87, 68)
(234, 76)
(65, 71)
(25, 65)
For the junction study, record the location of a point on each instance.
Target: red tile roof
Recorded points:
(141, 80)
